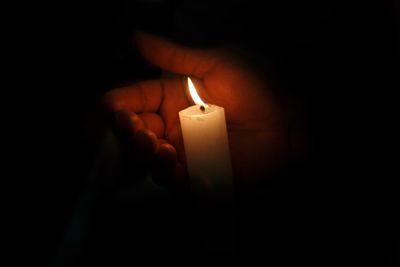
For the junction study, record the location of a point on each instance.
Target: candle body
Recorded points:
(208, 161)
(206, 145)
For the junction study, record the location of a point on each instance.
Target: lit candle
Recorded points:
(208, 162)
(206, 145)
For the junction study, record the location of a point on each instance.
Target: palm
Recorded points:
(255, 119)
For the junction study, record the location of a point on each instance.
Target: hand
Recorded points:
(256, 114)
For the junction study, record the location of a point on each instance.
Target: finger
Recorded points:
(164, 165)
(153, 122)
(136, 123)
(163, 95)
(170, 94)
(161, 141)
(167, 156)
(146, 143)
(173, 57)
(125, 123)
(141, 97)
(168, 171)
(128, 122)
(175, 138)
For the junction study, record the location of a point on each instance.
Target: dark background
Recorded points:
(338, 56)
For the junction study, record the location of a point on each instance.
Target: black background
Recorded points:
(339, 56)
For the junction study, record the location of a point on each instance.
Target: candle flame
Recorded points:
(195, 96)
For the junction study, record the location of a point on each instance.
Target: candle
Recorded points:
(206, 146)
(208, 161)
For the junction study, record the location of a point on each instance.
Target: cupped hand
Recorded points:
(256, 114)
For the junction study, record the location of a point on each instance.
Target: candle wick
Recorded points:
(202, 108)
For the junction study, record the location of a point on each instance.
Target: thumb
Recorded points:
(174, 57)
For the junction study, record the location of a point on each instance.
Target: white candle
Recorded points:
(208, 161)
(206, 145)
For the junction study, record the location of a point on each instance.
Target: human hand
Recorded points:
(256, 114)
